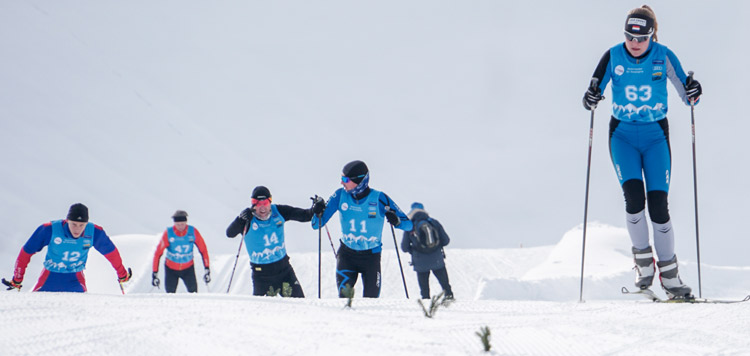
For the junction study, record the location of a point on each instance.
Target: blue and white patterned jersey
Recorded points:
(639, 85)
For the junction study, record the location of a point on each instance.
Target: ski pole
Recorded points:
(593, 84)
(320, 239)
(695, 186)
(244, 232)
(398, 256)
(331, 241)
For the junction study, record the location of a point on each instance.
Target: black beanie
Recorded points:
(260, 192)
(356, 171)
(180, 215)
(78, 212)
(639, 25)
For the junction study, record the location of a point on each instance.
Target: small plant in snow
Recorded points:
(437, 301)
(348, 293)
(484, 335)
(272, 292)
(286, 290)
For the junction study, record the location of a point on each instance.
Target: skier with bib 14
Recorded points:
(425, 243)
(639, 140)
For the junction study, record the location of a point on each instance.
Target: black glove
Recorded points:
(392, 218)
(207, 275)
(247, 214)
(126, 278)
(693, 89)
(319, 205)
(592, 97)
(12, 284)
(155, 279)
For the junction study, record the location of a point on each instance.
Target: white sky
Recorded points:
(138, 109)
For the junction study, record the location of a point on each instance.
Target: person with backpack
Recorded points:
(262, 227)
(179, 240)
(362, 212)
(425, 243)
(68, 243)
(639, 70)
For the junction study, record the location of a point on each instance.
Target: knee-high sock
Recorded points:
(638, 229)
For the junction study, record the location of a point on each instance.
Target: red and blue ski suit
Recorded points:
(66, 256)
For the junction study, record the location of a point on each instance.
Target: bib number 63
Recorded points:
(634, 93)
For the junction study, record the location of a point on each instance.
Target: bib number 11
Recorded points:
(353, 226)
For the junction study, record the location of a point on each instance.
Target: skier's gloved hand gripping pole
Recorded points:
(124, 279)
(693, 90)
(590, 101)
(12, 284)
(394, 220)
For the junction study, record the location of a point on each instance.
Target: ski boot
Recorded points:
(671, 282)
(644, 267)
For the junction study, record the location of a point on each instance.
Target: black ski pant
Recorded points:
(350, 263)
(274, 275)
(424, 282)
(173, 276)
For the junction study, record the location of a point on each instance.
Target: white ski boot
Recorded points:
(644, 267)
(670, 280)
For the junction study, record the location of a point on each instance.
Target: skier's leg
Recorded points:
(170, 279)
(291, 278)
(261, 282)
(371, 275)
(346, 272)
(423, 278)
(442, 277)
(657, 162)
(627, 162)
(188, 277)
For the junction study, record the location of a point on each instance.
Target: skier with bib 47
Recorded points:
(68, 244)
(639, 140)
(179, 240)
(425, 243)
(362, 212)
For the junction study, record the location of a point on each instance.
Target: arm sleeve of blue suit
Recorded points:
(385, 200)
(38, 239)
(332, 206)
(102, 242)
(677, 75)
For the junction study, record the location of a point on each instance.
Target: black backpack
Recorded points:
(426, 237)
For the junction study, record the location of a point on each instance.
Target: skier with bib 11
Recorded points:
(362, 212)
(425, 243)
(68, 244)
(639, 140)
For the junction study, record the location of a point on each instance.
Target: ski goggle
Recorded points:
(346, 179)
(261, 202)
(637, 38)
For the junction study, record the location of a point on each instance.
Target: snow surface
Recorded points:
(527, 296)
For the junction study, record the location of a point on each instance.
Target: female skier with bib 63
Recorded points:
(639, 140)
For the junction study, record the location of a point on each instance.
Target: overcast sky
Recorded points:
(473, 108)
